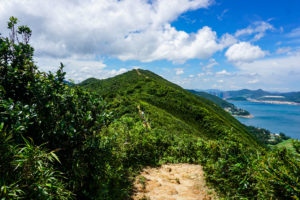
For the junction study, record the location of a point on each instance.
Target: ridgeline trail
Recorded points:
(137, 71)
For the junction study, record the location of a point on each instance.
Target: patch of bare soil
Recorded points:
(172, 182)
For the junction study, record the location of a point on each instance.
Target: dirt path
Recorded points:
(137, 71)
(172, 182)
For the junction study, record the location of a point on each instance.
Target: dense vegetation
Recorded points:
(266, 137)
(167, 105)
(58, 141)
(290, 144)
(229, 107)
(235, 165)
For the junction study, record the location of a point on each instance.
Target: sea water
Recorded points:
(274, 117)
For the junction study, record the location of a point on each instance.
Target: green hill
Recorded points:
(167, 105)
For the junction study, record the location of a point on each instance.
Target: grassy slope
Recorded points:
(287, 144)
(166, 105)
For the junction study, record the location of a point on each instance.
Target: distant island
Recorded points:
(260, 96)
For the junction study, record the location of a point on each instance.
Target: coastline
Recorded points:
(244, 116)
(275, 102)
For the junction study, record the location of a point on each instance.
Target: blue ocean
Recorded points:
(274, 117)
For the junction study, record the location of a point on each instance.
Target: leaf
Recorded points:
(55, 156)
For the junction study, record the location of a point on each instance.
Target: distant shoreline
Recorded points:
(274, 102)
(244, 116)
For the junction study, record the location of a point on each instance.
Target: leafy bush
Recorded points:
(41, 106)
(296, 145)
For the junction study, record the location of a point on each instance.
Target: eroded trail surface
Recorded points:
(172, 182)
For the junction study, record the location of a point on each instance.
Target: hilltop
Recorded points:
(166, 105)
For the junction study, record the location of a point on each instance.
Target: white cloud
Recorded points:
(280, 72)
(294, 33)
(128, 29)
(179, 71)
(244, 52)
(253, 81)
(200, 74)
(220, 81)
(257, 29)
(283, 50)
(274, 66)
(227, 40)
(212, 63)
(220, 17)
(79, 70)
(223, 73)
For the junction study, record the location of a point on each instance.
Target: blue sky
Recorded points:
(198, 44)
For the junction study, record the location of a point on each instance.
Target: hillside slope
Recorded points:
(166, 105)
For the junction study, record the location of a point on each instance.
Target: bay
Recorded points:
(274, 117)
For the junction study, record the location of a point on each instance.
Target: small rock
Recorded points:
(172, 192)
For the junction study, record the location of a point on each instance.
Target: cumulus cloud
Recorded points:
(128, 30)
(244, 52)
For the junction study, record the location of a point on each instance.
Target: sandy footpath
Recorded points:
(172, 182)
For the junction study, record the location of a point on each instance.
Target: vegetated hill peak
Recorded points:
(167, 106)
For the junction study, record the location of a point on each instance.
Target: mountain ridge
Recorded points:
(170, 102)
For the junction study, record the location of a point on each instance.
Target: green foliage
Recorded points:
(166, 105)
(41, 106)
(30, 175)
(296, 145)
(266, 137)
(234, 163)
(240, 172)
